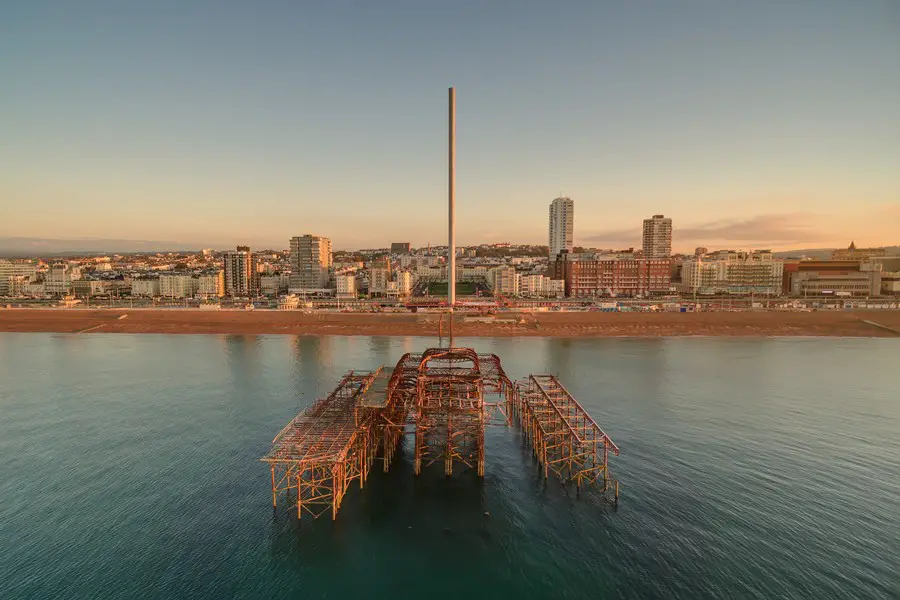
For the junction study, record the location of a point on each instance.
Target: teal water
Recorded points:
(750, 469)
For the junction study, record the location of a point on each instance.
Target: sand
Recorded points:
(583, 324)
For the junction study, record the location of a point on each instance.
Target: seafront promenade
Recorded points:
(760, 323)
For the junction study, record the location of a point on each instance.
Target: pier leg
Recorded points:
(274, 489)
(299, 498)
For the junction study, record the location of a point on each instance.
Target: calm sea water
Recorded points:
(750, 469)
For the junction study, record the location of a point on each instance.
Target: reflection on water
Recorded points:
(750, 468)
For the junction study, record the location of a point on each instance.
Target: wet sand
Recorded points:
(583, 324)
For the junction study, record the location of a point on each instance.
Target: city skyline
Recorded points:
(143, 123)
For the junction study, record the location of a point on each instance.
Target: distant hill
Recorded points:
(25, 246)
(821, 253)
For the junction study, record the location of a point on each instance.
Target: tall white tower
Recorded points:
(562, 226)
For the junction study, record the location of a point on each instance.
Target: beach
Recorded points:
(858, 323)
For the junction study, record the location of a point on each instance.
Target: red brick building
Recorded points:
(619, 276)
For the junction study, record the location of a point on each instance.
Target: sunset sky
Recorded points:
(752, 124)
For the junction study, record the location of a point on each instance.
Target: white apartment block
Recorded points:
(211, 285)
(346, 285)
(657, 239)
(562, 226)
(59, 277)
(272, 285)
(177, 285)
(310, 262)
(732, 273)
(17, 270)
(504, 281)
(148, 288)
(378, 280)
(404, 283)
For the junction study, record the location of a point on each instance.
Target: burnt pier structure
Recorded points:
(443, 399)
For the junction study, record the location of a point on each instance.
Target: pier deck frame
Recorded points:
(564, 438)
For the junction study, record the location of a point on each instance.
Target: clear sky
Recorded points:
(751, 124)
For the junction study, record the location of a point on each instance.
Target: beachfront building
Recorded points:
(311, 260)
(613, 275)
(561, 226)
(729, 272)
(657, 238)
(274, 283)
(14, 274)
(345, 284)
(541, 286)
(239, 273)
(378, 280)
(59, 277)
(211, 284)
(504, 281)
(177, 285)
(404, 283)
(145, 286)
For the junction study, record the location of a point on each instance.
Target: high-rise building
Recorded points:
(241, 278)
(562, 226)
(657, 237)
(400, 247)
(310, 261)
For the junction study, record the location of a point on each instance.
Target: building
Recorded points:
(504, 281)
(404, 283)
(540, 286)
(832, 278)
(177, 285)
(657, 237)
(12, 272)
(400, 248)
(145, 286)
(378, 280)
(890, 273)
(59, 277)
(310, 262)
(274, 284)
(346, 285)
(211, 285)
(729, 272)
(854, 253)
(624, 275)
(562, 226)
(239, 273)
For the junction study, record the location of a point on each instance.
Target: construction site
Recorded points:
(441, 401)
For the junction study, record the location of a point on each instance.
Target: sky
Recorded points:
(765, 124)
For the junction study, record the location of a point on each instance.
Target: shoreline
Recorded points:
(855, 323)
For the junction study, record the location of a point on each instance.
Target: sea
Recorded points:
(749, 468)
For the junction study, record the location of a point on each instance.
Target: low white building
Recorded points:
(211, 285)
(504, 281)
(172, 285)
(272, 285)
(404, 283)
(145, 286)
(346, 285)
(732, 273)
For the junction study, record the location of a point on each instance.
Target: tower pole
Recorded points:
(451, 188)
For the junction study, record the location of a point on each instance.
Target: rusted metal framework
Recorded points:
(563, 436)
(326, 447)
(445, 397)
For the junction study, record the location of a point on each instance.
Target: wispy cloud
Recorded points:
(794, 228)
(775, 229)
